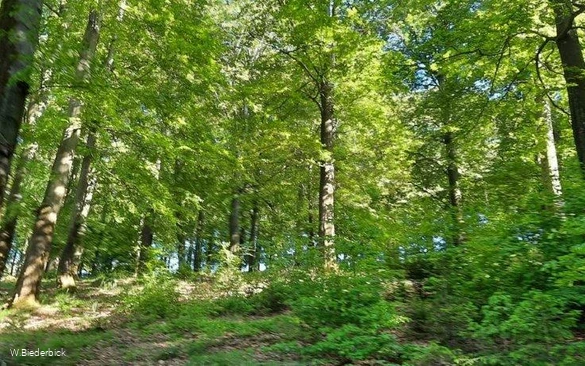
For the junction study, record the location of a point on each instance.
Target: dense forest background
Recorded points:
(312, 182)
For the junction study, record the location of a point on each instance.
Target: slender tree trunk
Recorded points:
(181, 243)
(19, 28)
(146, 240)
(235, 224)
(252, 255)
(551, 156)
(146, 232)
(13, 262)
(210, 251)
(327, 177)
(569, 47)
(37, 254)
(71, 254)
(197, 253)
(311, 208)
(454, 190)
(10, 219)
(95, 263)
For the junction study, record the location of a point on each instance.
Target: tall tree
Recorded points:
(19, 27)
(71, 253)
(571, 52)
(37, 254)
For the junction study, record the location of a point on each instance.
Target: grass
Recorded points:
(98, 326)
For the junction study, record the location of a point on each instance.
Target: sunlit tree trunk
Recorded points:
(19, 28)
(37, 254)
(71, 253)
(252, 255)
(327, 176)
(310, 207)
(552, 161)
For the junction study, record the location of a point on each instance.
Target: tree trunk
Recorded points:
(551, 156)
(457, 236)
(181, 243)
(146, 239)
(95, 264)
(235, 224)
(13, 263)
(198, 252)
(311, 208)
(252, 255)
(37, 254)
(327, 177)
(19, 28)
(569, 47)
(71, 254)
(10, 219)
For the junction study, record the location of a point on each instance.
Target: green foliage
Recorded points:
(529, 328)
(340, 300)
(234, 305)
(66, 302)
(157, 299)
(273, 299)
(434, 354)
(350, 342)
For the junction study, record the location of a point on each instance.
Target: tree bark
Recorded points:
(181, 243)
(569, 47)
(311, 208)
(551, 156)
(71, 254)
(19, 28)
(146, 239)
(327, 177)
(457, 236)
(10, 218)
(235, 224)
(198, 252)
(37, 254)
(252, 255)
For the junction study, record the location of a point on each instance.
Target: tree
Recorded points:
(37, 255)
(19, 27)
(573, 63)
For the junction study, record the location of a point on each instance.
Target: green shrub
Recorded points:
(350, 342)
(530, 328)
(351, 318)
(233, 305)
(339, 300)
(158, 298)
(273, 299)
(435, 355)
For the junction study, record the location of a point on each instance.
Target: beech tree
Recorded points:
(19, 28)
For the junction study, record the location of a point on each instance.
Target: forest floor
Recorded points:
(95, 327)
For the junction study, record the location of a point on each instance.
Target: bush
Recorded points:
(350, 317)
(233, 305)
(339, 300)
(525, 329)
(273, 299)
(158, 299)
(352, 343)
